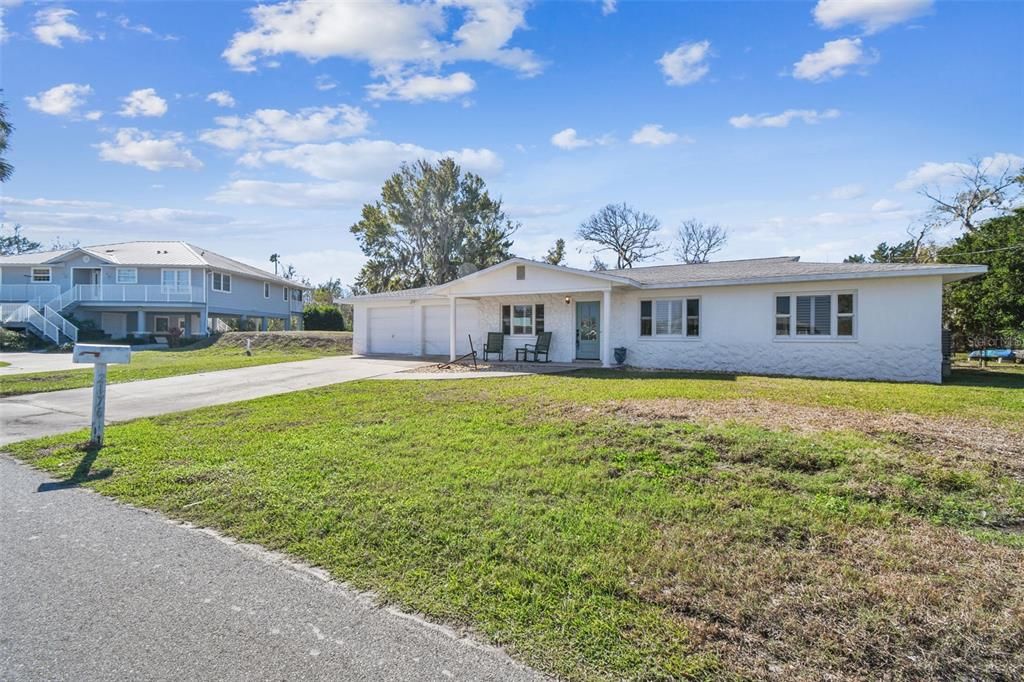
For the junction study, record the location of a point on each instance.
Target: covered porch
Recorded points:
(575, 320)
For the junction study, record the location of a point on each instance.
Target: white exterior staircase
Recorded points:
(43, 319)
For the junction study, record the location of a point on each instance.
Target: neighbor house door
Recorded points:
(588, 330)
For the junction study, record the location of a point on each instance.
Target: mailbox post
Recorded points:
(100, 356)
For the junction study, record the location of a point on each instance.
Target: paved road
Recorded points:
(41, 414)
(91, 589)
(22, 363)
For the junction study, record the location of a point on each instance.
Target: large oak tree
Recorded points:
(432, 224)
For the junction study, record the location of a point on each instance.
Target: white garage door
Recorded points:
(390, 330)
(435, 329)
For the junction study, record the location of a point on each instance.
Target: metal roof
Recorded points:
(152, 253)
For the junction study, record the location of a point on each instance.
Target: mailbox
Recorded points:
(99, 354)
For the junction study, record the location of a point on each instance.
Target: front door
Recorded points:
(588, 330)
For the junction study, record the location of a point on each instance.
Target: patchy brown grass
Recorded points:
(334, 342)
(960, 439)
(920, 603)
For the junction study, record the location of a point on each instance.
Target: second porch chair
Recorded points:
(536, 349)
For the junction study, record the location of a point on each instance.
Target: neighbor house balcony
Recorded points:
(25, 293)
(132, 293)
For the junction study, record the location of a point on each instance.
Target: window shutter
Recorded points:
(803, 314)
(506, 319)
(538, 318)
(823, 315)
(645, 318)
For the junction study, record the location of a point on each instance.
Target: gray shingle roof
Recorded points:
(783, 267)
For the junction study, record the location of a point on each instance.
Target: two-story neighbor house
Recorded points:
(141, 288)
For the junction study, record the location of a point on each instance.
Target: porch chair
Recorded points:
(536, 349)
(495, 344)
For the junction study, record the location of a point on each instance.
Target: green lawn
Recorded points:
(228, 352)
(587, 524)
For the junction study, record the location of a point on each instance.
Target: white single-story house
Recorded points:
(761, 316)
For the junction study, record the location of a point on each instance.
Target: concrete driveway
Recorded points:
(92, 589)
(23, 363)
(41, 414)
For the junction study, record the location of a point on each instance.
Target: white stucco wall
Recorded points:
(898, 325)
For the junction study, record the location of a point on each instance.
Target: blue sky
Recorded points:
(804, 128)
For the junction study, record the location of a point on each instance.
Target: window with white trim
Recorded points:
(222, 282)
(829, 315)
(42, 275)
(127, 276)
(284, 290)
(667, 317)
(523, 319)
(266, 290)
(176, 280)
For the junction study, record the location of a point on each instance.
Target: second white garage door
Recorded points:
(390, 330)
(435, 329)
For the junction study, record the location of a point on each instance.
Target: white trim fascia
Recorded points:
(960, 272)
(84, 251)
(546, 266)
(526, 294)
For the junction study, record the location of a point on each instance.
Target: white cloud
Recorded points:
(809, 116)
(653, 135)
(294, 194)
(568, 139)
(609, 6)
(135, 147)
(686, 64)
(833, 60)
(41, 202)
(144, 102)
(387, 34)
(847, 192)
(418, 88)
(221, 98)
(930, 172)
(886, 206)
(53, 25)
(363, 159)
(93, 115)
(60, 100)
(274, 126)
(125, 23)
(324, 83)
(871, 15)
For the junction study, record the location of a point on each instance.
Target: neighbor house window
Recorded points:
(127, 276)
(266, 290)
(285, 292)
(41, 275)
(829, 315)
(670, 317)
(161, 324)
(522, 318)
(176, 280)
(222, 282)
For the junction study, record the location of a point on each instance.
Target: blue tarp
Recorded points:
(991, 353)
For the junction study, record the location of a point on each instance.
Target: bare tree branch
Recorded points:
(698, 241)
(628, 233)
(980, 191)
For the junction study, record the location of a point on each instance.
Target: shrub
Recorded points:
(323, 317)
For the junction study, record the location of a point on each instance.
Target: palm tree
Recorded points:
(6, 129)
(275, 258)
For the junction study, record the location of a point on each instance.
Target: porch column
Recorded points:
(288, 323)
(451, 328)
(204, 322)
(140, 323)
(243, 323)
(606, 328)
(263, 324)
